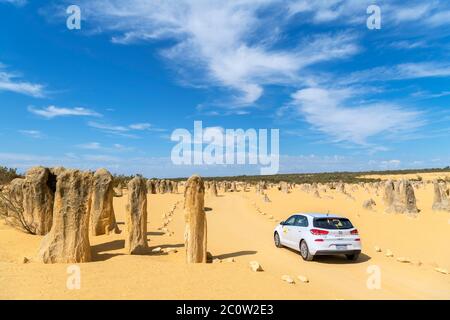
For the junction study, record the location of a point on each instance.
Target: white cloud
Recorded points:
(352, 12)
(18, 3)
(219, 42)
(402, 71)
(32, 133)
(51, 112)
(90, 146)
(140, 126)
(411, 12)
(323, 11)
(99, 147)
(12, 82)
(108, 127)
(440, 18)
(408, 45)
(330, 112)
(123, 130)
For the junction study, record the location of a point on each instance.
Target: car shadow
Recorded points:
(341, 259)
(335, 259)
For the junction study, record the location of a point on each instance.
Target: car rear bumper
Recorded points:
(332, 247)
(332, 252)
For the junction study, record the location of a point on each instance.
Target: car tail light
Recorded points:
(358, 239)
(318, 232)
(354, 232)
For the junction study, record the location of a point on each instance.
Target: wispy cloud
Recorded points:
(324, 11)
(125, 131)
(411, 12)
(35, 134)
(408, 44)
(140, 126)
(18, 3)
(217, 42)
(99, 147)
(51, 112)
(404, 71)
(429, 14)
(90, 146)
(12, 82)
(331, 112)
(108, 127)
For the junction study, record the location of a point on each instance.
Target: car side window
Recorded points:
(290, 221)
(301, 221)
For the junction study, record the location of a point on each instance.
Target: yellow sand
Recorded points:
(236, 229)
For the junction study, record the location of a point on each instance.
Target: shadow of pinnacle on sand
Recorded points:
(235, 254)
(155, 233)
(100, 251)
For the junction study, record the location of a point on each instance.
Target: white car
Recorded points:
(315, 234)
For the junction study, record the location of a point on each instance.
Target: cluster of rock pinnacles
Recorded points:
(66, 205)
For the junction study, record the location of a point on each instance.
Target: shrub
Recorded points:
(7, 175)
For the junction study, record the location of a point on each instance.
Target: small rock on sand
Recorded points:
(255, 266)
(229, 260)
(389, 253)
(377, 249)
(288, 279)
(157, 250)
(417, 263)
(442, 270)
(403, 260)
(24, 260)
(303, 279)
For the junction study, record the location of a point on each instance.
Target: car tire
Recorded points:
(304, 251)
(276, 239)
(352, 257)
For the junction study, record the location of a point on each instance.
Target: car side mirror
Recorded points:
(282, 223)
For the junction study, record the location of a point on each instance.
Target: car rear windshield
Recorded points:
(332, 223)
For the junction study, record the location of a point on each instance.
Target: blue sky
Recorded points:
(109, 95)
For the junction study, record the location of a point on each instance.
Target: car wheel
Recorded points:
(304, 251)
(276, 239)
(352, 257)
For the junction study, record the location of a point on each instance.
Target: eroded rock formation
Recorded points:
(196, 228)
(68, 239)
(103, 219)
(136, 217)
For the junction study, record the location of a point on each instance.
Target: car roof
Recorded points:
(319, 215)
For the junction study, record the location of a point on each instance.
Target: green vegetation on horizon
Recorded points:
(8, 174)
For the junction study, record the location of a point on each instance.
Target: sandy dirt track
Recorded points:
(236, 229)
